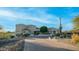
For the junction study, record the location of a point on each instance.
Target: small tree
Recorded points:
(44, 29)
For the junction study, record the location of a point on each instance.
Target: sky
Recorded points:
(39, 16)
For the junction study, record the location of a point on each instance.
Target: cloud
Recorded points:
(37, 15)
(41, 15)
(7, 13)
(75, 14)
(34, 14)
(68, 26)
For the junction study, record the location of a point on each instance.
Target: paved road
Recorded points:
(47, 45)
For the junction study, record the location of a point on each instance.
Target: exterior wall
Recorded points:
(32, 28)
(53, 30)
(20, 27)
(1, 29)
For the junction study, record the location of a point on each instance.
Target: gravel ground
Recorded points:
(13, 45)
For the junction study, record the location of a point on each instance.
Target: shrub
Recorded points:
(5, 35)
(36, 33)
(12, 36)
(75, 38)
(26, 35)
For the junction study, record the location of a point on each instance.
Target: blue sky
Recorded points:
(43, 16)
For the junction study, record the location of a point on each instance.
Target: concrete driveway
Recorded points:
(48, 45)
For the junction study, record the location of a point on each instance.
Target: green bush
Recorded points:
(26, 35)
(36, 33)
(5, 35)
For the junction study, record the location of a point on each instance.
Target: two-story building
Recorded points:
(21, 28)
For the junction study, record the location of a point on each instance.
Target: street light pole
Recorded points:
(60, 26)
